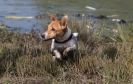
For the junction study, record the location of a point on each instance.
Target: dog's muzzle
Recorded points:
(43, 36)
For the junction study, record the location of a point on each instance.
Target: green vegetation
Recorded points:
(103, 58)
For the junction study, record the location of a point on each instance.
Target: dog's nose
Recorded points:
(42, 35)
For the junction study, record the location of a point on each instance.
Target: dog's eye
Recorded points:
(53, 29)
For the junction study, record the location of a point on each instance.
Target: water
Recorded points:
(19, 8)
(123, 8)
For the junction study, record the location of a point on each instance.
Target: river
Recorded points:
(123, 8)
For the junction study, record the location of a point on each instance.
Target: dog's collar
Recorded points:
(67, 36)
(70, 37)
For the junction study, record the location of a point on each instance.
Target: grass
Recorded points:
(106, 57)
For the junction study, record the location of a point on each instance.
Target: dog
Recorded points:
(63, 40)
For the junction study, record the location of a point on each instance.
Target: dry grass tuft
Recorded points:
(104, 57)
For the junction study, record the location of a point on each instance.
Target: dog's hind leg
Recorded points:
(69, 49)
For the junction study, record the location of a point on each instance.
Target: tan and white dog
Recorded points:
(63, 40)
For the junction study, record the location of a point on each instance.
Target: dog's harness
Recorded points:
(70, 37)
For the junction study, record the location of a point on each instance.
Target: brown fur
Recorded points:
(56, 28)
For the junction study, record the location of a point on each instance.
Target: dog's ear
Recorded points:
(64, 21)
(52, 17)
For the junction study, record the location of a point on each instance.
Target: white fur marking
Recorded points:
(52, 45)
(57, 54)
(75, 34)
(46, 35)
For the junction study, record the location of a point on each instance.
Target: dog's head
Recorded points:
(56, 28)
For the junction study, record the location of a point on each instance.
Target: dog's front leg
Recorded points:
(52, 45)
(57, 54)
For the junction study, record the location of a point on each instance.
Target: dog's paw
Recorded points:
(66, 52)
(54, 58)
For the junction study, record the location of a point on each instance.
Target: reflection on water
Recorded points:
(19, 8)
(123, 8)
